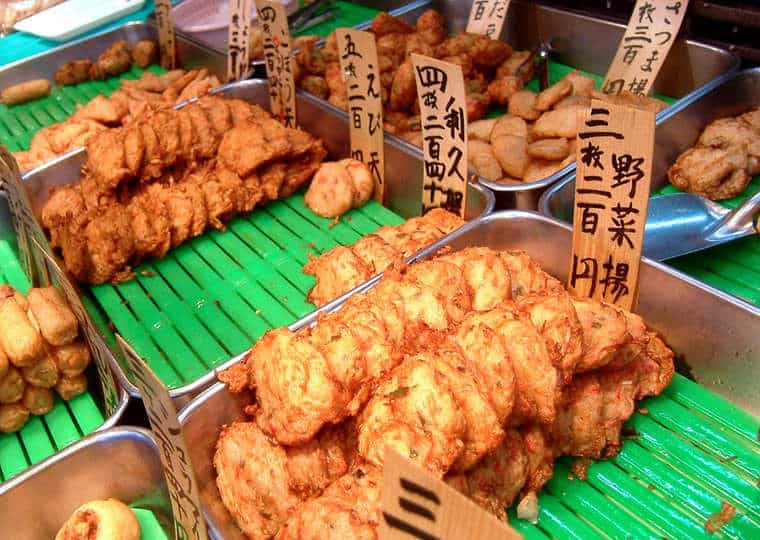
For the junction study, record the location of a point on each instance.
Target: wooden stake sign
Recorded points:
(614, 157)
(417, 505)
(651, 32)
(100, 352)
(358, 63)
(278, 57)
(166, 39)
(238, 39)
(178, 470)
(443, 112)
(487, 17)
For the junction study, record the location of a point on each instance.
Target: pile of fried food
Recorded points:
(41, 351)
(344, 267)
(109, 519)
(532, 142)
(476, 365)
(339, 186)
(167, 175)
(102, 113)
(115, 60)
(724, 160)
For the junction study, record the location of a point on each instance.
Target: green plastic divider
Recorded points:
(212, 297)
(44, 435)
(150, 528)
(689, 451)
(733, 267)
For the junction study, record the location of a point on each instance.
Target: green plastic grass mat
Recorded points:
(688, 451)
(150, 528)
(733, 267)
(212, 297)
(345, 14)
(44, 435)
(18, 123)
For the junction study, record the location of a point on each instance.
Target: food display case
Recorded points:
(687, 436)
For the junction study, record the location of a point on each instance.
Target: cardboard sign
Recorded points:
(178, 470)
(415, 504)
(487, 17)
(358, 63)
(166, 39)
(650, 34)
(277, 58)
(238, 38)
(443, 112)
(100, 352)
(615, 146)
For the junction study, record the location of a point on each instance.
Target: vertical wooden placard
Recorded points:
(487, 17)
(238, 38)
(166, 39)
(358, 63)
(651, 32)
(614, 157)
(178, 469)
(443, 112)
(277, 58)
(415, 504)
(100, 352)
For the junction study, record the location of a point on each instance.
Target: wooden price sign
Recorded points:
(650, 34)
(358, 63)
(487, 17)
(615, 146)
(443, 111)
(166, 39)
(277, 58)
(100, 352)
(178, 470)
(417, 505)
(238, 38)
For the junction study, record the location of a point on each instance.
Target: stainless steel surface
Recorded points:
(122, 463)
(677, 130)
(684, 223)
(190, 54)
(588, 44)
(689, 315)
(403, 187)
(7, 233)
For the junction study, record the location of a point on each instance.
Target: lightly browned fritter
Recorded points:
(482, 379)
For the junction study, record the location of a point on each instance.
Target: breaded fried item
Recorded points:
(110, 244)
(339, 186)
(546, 99)
(115, 60)
(101, 520)
(43, 374)
(70, 387)
(262, 484)
(53, 315)
(13, 416)
(511, 152)
(581, 85)
(526, 275)
(383, 23)
(72, 359)
(557, 123)
(102, 110)
(106, 159)
(431, 26)
(486, 275)
(11, 386)
(549, 149)
(19, 338)
(523, 104)
(375, 253)
(4, 363)
(345, 270)
(73, 72)
(714, 173)
(349, 509)
(38, 400)
(501, 90)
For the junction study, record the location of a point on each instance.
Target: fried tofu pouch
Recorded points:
(53, 316)
(101, 520)
(21, 341)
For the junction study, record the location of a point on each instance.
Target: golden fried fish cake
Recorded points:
(445, 276)
(110, 244)
(604, 332)
(338, 271)
(715, 173)
(526, 275)
(486, 274)
(375, 252)
(52, 315)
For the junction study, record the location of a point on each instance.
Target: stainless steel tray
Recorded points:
(678, 128)
(122, 463)
(690, 316)
(7, 233)
(190, 54)
(403, 181)
(588, 44)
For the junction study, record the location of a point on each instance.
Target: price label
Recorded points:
(443, 112)
(278, 60)
(100, 352)
(615, 146)
(358, 63)
(487, 17)
(238, 38)
(417, 505)
(166, 39)
(651, 32)
(178, 470)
